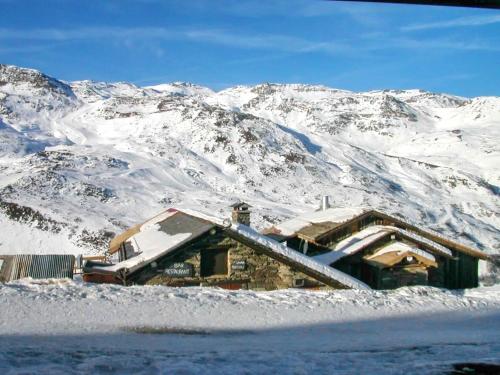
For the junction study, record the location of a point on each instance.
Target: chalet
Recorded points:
(187, 248)
(379, 249)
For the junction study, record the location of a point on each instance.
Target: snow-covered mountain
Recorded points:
(81, 160)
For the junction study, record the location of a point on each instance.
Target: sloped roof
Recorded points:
(434, 236)
(332, 216)
(313, 231)
(115, 243)
(396, 252)
(297, 257)
(316, 225)
(360, 240)
(173, 228)
(158, 236)
(353, 244)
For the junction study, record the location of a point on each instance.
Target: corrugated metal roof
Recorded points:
(16, 267)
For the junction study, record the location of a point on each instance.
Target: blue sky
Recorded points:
(221, 43)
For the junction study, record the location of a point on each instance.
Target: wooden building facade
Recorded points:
(381, 250)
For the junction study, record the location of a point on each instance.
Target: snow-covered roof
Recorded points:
(296, 257)
(434, 245)
(115, 243)
(150, 244)
(157, 238)
(395, 252)
(353, 244)
(333, 215)
(432, 237)
(401, 247)
(369, 235)
(323, 221)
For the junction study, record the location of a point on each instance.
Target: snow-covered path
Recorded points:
(66, 327)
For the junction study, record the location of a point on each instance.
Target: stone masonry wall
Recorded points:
(261, 273)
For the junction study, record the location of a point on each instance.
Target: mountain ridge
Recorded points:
(97, 157)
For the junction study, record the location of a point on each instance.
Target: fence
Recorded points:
(14, 267)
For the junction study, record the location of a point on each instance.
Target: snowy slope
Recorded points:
(81, 160)
(77, 307)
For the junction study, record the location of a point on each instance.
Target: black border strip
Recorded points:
(490, 4)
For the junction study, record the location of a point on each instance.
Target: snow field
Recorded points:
(61, 327)
(71, 307)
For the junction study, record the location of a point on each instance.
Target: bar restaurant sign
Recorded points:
(179, 270)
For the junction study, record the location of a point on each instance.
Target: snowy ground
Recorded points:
(70, 327)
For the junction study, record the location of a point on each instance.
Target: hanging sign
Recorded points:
(239, 265)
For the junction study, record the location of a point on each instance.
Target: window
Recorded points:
(342, 234)
(367, 221)
(213, 262)
(298, 283)
(126, 251)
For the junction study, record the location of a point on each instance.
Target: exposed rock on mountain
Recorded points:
(81, 160)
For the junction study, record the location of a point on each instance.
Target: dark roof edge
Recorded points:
(438, 237)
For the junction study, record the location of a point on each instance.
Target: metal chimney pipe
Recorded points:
(325, 203)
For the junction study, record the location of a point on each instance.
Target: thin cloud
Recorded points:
(85, 33)
(272, 42)
(445, 44)
(266, 41)
(258, 59)
(457, 22)
(365, 14)
(383, 41)
(439, 44)
(26, 48)
(221, 37)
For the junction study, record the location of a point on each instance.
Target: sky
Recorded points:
(223, 43)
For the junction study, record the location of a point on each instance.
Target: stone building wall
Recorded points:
(261, 272)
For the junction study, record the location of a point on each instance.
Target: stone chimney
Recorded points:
(241, 213)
